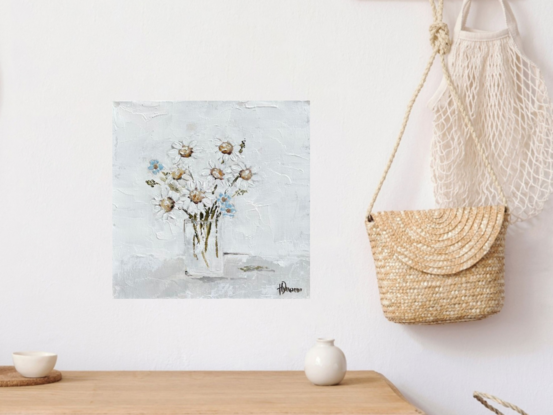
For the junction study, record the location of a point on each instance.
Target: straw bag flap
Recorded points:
(439, 241)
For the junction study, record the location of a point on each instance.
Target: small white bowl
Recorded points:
(34, 364)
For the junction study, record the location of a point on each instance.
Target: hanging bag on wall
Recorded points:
(443, 265)
(507, 100)
(483, 398)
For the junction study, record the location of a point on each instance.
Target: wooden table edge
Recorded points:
(67, 376)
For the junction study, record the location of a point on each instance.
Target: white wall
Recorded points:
(62, 63)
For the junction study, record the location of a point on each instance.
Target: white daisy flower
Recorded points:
(181, 174)
(165, 204)
(177, 178)
(227, 150)
(196, 197)
(217, 174)
(182, 151)
(246, 176)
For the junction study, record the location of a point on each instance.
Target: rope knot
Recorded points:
(439, 38)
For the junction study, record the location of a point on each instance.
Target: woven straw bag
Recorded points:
(443, 265)
(482, 397)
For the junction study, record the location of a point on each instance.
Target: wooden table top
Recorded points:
(213, 393)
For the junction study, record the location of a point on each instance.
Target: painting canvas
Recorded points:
(211, 199)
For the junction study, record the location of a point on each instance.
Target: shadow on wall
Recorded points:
(521, 326)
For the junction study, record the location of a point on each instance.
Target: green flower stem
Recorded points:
(196, 237)
(207, 236)
(217, 236)
(205, 259)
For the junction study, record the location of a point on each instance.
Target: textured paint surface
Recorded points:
(246, 276)
(63, 63)
(270, 229)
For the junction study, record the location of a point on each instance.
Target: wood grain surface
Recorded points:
(170, 393)
(10, 377)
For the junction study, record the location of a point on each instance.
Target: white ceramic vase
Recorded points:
(325, 364)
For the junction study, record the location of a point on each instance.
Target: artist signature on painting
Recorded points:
(283, 288)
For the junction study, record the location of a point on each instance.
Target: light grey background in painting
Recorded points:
(271, 225)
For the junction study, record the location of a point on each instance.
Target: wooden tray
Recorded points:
(10, 377)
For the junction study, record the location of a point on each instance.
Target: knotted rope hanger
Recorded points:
(441, 45)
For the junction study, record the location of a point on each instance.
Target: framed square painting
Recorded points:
(211, 199)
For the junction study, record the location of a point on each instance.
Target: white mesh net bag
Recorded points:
(507, 100)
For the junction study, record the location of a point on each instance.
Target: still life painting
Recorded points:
(211, 199)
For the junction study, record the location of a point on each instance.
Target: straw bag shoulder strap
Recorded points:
(481, 397)
(441, 45)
